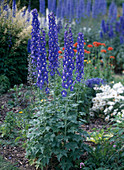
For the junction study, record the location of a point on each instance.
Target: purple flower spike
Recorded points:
(13, 8)
(53, 45)
(42, 78)
(35, 37)
(68, 61)
(80, 57)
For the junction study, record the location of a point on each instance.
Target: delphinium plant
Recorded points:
(112, 32)
(54, 132)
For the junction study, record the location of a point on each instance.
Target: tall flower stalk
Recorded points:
(13, 8)
(35, 35)
(42, 7)
(42, 76)
(68, 63)
(80, 57)
(53, 46)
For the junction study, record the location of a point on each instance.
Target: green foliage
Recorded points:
(8, 129)
(14, 35)
(98, 137)
(4, 83)
(55, 133)
(110, 153)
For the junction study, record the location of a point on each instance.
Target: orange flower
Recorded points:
(84, 43)
(88, 52)
(94, 58)
(85, 51)
(75, 50)
(75, 45)
(101, 61)
(60, 52)
(95, 67)
(112, 57)
(89, 45)
(103, 51)
(103, 44)
(60, 56)
(96, 44)
(110, 48)
(63, 48)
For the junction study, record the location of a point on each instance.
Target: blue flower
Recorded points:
(59, 26)
(13, 8)
(42, 73)
(80, 57)
(29, 10)
(53, 45)
(68, 61)
(64, 93)
(94, 81)
(35, 37)
(112, 12)
(29, 46)
(42, 6)
(103, 26)
(123, 9)
(88, 8)
(59, 9)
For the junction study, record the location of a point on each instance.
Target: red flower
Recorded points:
(63, 48)
(75, 45)
(103, 51)
(96, 44)
(60, 52)
(60, 56)
(88, 52)
(75, 50)
(84, 43)
(112, 57)
(110, 48)
(103, 44)
(90, 45)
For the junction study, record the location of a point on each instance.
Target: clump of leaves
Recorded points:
(108, 153)
(4, 83)
(55, 132)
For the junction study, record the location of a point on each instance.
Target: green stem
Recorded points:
(66, 114)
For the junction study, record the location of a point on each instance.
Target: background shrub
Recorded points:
(4, 84)
(14, 34)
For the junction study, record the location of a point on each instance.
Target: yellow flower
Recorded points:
(41, 100)
(20, 112)
(85, 60)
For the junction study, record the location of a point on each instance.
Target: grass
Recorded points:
(5, 165)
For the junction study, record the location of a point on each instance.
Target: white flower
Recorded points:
(106, 110)
(89, 29)
(111, 103)
(117, 86)
(107, 118)
(110, 108)
(119, 113)
(84, 28)
(91, 114)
